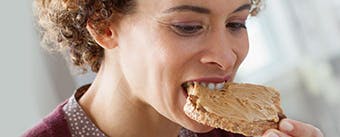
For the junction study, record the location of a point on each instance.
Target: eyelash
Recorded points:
(192, 30)
(236, 26)
(187, 30)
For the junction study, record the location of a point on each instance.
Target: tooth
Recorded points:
(211, 86)
(219, 86)
(203, 84)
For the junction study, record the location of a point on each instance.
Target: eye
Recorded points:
(236, 26)
(187, 30)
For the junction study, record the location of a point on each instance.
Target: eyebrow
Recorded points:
(243, 7)
(188, 8)
(202, 10)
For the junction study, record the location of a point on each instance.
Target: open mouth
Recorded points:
(185, 87)
(210, 85)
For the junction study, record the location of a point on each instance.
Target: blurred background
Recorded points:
(295, 47)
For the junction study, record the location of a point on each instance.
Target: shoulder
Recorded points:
(53, 125)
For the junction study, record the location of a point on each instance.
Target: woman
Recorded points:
(142, 52)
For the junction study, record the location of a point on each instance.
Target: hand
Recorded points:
(292, 128)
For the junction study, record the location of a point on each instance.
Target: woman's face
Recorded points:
(166, 43)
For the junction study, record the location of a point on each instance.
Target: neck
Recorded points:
(111, 106)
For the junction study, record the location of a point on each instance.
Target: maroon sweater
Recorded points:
(55, 125)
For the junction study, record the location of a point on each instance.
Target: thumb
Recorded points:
(299, 129)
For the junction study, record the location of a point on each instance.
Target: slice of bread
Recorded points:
(245, 109)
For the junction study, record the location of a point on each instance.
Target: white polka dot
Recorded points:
(80, 124)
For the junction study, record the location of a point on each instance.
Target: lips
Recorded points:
(213, 83)
(211, 79)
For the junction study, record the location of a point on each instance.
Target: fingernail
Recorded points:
(286, 126)
(272, 134)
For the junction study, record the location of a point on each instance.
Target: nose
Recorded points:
(220, 53)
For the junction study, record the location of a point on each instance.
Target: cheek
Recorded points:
(246, 48)
(166, 63)
(149, 62)
(167, 60)
(242, 48)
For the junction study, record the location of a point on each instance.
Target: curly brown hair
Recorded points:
(62, 24)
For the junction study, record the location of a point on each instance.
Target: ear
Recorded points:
(106, 37)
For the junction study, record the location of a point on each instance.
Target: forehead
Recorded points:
(216, 6)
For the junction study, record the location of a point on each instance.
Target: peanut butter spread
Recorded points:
(239, 101)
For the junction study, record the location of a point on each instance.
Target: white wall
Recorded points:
(26, 74)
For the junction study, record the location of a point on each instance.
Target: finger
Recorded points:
(299, 129)
(274, 133)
